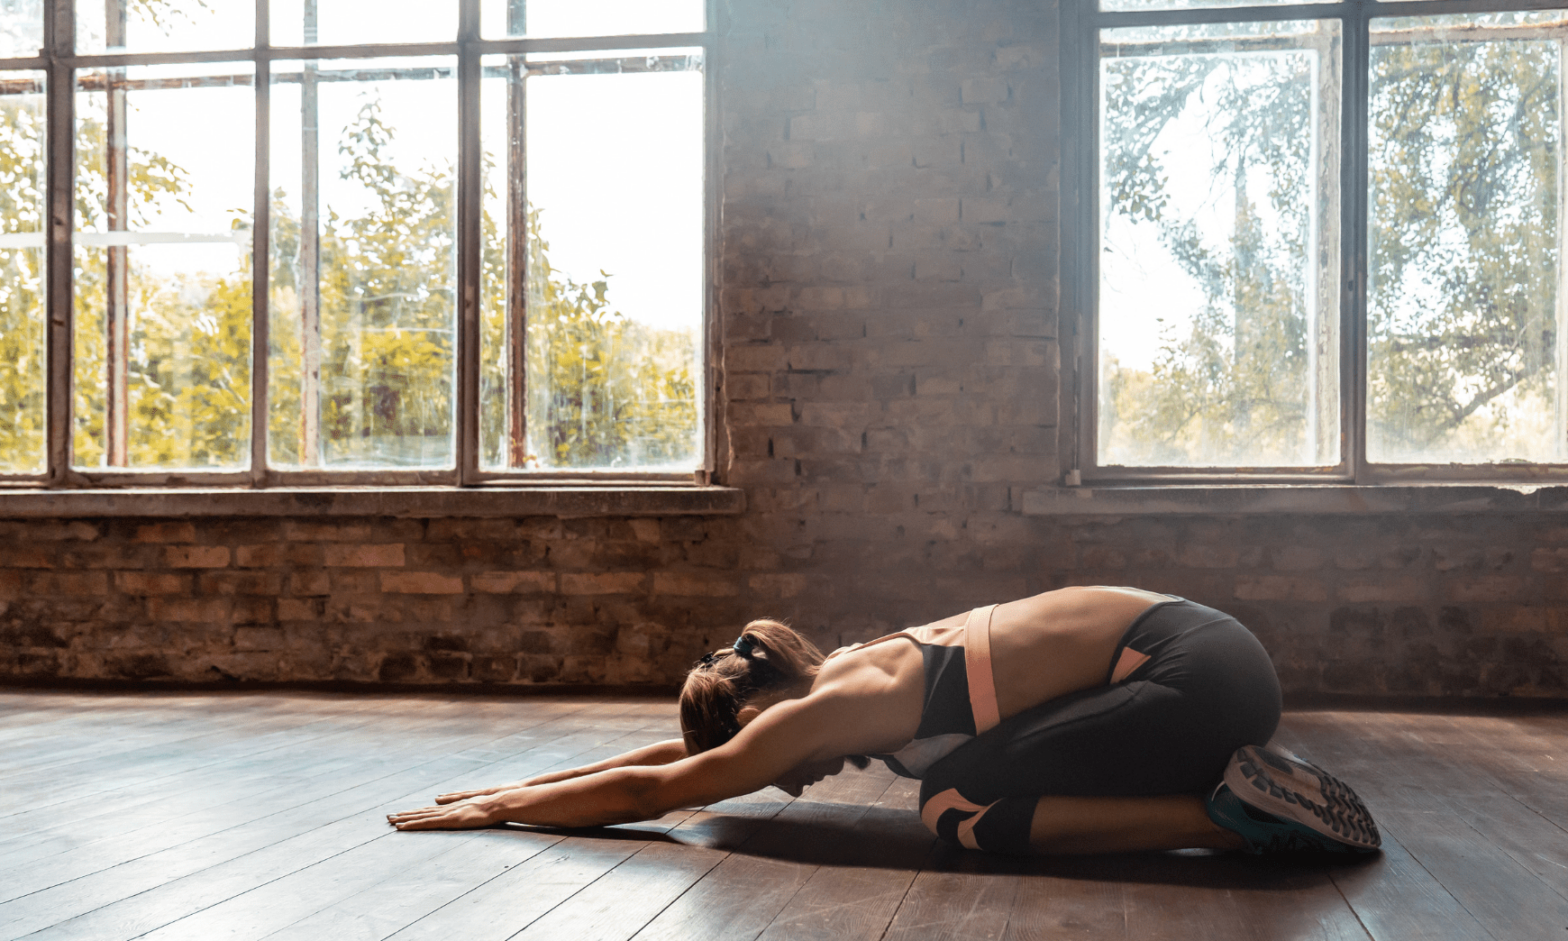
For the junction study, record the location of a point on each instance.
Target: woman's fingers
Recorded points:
(456, 796)
(450, 817)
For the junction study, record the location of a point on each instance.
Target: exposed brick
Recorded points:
(1552, 560)
(364, 556)
(502, 583)
(1462, 588)
(1280, 588)
(182, 531)
(152, 583)
(299, 609)
(1385, 589)
(304, 584)
(601, 583)
(65, 584)
(1298, 558)
(190, 610)
(196, 557)
(258, 638)
(421, 583)
(695, 585)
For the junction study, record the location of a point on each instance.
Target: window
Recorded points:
(1325, 240)
(334, 241)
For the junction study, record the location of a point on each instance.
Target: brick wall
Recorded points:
(890, 380)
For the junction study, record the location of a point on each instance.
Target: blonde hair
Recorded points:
(767, 656)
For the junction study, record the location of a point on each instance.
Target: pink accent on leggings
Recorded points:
(932, 810)
(1127, 663)
(966, 830)
(977, 664)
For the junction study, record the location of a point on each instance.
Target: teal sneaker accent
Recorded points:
(1267, 833)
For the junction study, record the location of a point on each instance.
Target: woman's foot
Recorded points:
(1275, 801)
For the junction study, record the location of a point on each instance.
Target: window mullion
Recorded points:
(261, 255)
(470, 194)
(517, 243)
(1560, 418)
(59, 41)
(1355, 229)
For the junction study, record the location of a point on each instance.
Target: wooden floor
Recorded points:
(248, 816)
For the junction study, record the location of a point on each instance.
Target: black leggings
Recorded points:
(1207, 689)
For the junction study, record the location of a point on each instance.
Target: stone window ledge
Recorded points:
(404, 502)
(1328, 499)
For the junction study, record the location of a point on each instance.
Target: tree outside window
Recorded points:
(586, 279)
(1278, 291)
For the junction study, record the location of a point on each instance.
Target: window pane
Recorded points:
(163, 277)
(1146, 6)
(164, 26)
(364, 242)
(21, 27)
(22, 417)
(612, 255)
(1465, 341)
(1219, 209)
(345, 22)
(550, 18)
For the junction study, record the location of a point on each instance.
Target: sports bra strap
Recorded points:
(977, 667)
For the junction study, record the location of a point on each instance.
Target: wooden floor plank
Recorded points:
(201, 873)
(260, 815)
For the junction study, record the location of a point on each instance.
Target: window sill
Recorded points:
(630, 499)
(1332, 499)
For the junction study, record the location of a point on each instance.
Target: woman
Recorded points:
(1077, 721)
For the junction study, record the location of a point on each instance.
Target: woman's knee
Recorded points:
(999, 827)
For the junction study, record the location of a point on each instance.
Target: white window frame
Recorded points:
(60, 63)
(1081, 23)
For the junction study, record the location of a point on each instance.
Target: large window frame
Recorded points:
(1081, 23)
(60, 63)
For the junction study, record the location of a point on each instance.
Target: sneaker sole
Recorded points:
(1293, 789)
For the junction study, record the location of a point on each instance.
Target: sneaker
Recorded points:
(1278, 802)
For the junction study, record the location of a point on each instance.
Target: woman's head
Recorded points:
(768, 658)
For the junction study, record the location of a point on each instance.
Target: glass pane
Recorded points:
(346, 22)
(21, 27)
(1465, 320)
(163, 266)
(611, 231)
(1147, 6)
(553, 18)
(1219, 254)
(22, 418)
(364, 263)
(164, 25)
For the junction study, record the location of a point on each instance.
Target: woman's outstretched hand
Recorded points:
(463, 815)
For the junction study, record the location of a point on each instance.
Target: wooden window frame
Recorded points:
(58, 60)
(1081, 22)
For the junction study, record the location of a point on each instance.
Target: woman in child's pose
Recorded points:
(1084, 720)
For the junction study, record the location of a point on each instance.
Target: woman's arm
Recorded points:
(780, 740)
(661, 753)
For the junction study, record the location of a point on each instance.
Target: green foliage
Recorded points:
(189, 363)
(21, 285)
(1230, 390)
(1465, 264)
(1464, 259)
(603, 390)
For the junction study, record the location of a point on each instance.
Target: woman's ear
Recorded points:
(745, 714)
